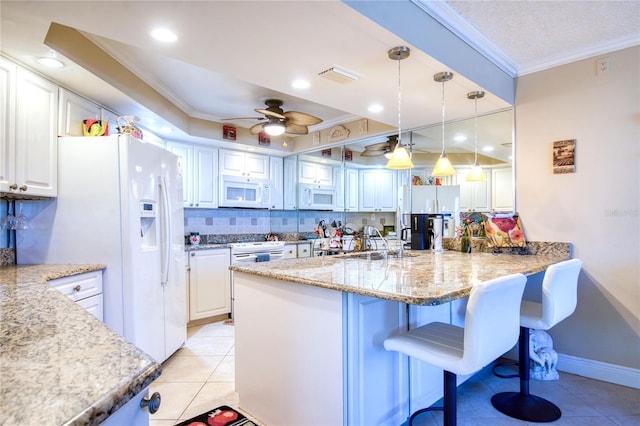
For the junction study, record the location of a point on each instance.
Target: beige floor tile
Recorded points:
(175, 398)
(208, 345)
(212, 395)
(225, 371)
(189, 368)
(216, 329)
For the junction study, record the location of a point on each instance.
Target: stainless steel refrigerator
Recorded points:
(120, 204)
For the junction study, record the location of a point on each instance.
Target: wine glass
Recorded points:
(8, 222)
(21, 222)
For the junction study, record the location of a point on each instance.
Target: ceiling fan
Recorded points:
(380, 148)
(276, 121)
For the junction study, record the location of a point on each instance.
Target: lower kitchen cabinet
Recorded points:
(290, 251)
(84, 289)
(209, 283)
(304, 249)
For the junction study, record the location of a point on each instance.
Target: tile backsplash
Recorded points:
(255, 221)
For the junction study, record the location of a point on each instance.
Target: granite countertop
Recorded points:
(58, 363)
(419, 278)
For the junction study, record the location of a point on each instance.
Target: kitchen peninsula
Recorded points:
(60, 365)
(309, 331)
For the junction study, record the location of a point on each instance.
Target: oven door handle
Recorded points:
(244, 257)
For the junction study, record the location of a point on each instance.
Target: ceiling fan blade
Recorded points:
(302, 118)
(243, 118)
(270, 113)
(377, 146)
(372, 153)
(256, 128)
(296, 129)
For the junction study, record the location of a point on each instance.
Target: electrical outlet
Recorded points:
(373, 216)
(602, 65)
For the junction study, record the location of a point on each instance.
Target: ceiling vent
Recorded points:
(339, 75)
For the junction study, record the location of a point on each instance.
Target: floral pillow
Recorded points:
(504, 230)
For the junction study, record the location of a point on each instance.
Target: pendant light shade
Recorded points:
(443, 166)
(476, 174)
(400, 158)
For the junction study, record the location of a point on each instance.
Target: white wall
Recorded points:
(596, 208)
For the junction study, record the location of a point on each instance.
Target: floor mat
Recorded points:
(221, 416)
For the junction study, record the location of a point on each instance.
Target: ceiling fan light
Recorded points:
(400, 159)
(476, 174)
(274, 129)
(443, 167)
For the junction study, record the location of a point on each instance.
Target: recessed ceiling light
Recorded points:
(300, 83)
(375, 108)
(487, 149)
(164, 35)
(50, 62)
(460, 138)
(166, 129)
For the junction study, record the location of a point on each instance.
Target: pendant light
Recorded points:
(476, 174)
(443, 166)
(400, 158)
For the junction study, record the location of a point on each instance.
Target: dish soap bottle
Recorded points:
(465, 243)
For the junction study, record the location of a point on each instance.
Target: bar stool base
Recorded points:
(526, 407)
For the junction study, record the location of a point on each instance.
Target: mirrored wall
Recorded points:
(366, 193)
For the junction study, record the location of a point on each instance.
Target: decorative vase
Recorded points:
(465, 243)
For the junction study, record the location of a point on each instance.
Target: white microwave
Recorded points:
(236, 191)
(317, 197)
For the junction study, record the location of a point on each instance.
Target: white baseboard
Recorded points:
(598, 370)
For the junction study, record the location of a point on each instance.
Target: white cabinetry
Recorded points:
(315, 173)
(28, 165)
(289, 184)
(378, 190)
(304, 249)
(84, 289)
(276, 173)
(200, 176)
(209, 283)
(238, 163)
(346, 181)
(73, 109)
(502, 184)
(290, 251)
(474, 195)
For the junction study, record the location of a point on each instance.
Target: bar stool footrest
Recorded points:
(423, 410)
(529, 408)
(504, 364)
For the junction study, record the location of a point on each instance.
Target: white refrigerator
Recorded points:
(120, 204)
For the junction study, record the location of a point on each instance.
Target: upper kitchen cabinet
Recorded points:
(200, 174)
(245, 164)
(289, 184)
(276, 171)
(502, 184)
(315, 173)
(474, 195)
(378, 190)
(73, 109)
(28, 114)
(346, 182)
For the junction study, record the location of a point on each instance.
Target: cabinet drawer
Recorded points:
(93, 305)
(81, 286)
(304, 250)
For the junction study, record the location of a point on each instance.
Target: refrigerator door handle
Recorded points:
(166, 228)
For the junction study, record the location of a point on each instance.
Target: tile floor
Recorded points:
(200, 376)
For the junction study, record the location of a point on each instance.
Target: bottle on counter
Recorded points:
(194, 238)
(465, 242)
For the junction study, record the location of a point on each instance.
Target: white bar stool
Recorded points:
(491, 329)
(559, 300)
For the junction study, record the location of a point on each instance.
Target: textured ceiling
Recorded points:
(534, 35)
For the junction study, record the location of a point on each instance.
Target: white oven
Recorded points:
(259, 251)
(237, 191)
(317, 197)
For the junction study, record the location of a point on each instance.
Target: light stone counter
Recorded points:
(419, 278)
(58, 364)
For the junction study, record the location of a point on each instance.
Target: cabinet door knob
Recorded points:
(23, 188)
(152, 403)
(193, 254)
(77, 288)
(13, 186)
